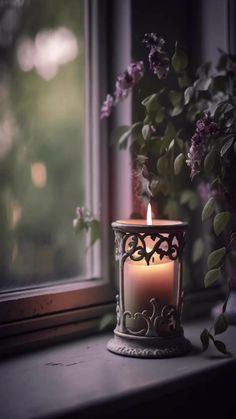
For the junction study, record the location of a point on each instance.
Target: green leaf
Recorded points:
(189, 197)
(220, 83)
(180, 143)
(179, 60)
(178, 163)
(211, 277)
(185, 196)
(151, 102)
(226, 146)
(172, 210)
(220, 221)
(216, 257)
(202, 84)
(164, 186)
(208, 209)
(204, 339)
(175, 97)
(221, 324)
(220, 346)
(177, 110)
(171, 145)
(222, 109)
(136, 127)
(209, 161)
(188, 94)
(230, 121)
(183, 81)
(95, 231)
(169, 134)
(162, 165)
(193, 112)
(79, 225)
(146, 131)
(198, 250)
(120, 135)
(160, 114)
(215, 183)
(204, 69)
(170, 131)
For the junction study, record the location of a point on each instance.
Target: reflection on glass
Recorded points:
(41, 141)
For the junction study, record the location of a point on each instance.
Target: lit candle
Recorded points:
(142, 282)
(149, 303)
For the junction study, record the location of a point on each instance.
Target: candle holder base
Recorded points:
(149, 347)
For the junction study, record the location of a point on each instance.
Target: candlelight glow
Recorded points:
(149, 215)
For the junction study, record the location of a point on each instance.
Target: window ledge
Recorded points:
(80, 377)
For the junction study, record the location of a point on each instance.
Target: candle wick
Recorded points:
(153, 260)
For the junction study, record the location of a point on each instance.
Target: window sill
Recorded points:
(82, 379)
(41, 315)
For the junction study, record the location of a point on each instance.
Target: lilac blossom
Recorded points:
(159, 63)
(153, 41)
(204, 127)
(80, 213)
(136, 71)
(107, 107)
(124, 83)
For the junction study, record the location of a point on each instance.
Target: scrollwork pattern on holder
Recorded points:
(133, 246)
(161, 318)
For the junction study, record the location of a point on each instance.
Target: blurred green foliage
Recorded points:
(42, 171)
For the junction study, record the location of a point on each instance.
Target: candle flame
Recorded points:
(149, 215)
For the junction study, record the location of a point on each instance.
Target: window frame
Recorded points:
(73, 307)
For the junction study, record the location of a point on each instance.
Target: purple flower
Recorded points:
(107, 107)
(124, 83)
(204, 127)
(153, 41)
(136, 71)
(159, 63)
(80, 213)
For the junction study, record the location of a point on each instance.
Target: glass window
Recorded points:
(42, 141)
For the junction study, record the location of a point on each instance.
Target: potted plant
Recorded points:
(184, 151)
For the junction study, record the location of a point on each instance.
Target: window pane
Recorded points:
(42, 69)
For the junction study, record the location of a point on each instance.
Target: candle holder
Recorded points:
(150, 297)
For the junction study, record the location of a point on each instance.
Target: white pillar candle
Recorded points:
(143, 282)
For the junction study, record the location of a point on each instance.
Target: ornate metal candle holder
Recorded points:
(150, 286)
